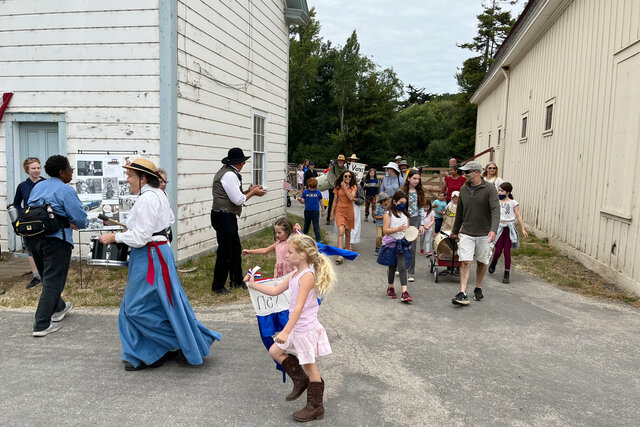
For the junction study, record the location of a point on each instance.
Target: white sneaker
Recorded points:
(411, 279)
(59, 315)
(397, 273)
(52, 328)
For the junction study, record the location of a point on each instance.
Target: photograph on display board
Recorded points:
(126, 203)
(110, 189)
(92, 186)
(94, 223)
(89, 168)
(125, 188)
(91, 205)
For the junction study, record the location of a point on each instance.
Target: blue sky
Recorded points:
(417, 38)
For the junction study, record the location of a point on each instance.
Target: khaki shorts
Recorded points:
(470, 248)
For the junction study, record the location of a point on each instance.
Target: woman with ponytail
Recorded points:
(303, 337)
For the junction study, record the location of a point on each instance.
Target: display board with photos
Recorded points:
(101, 184)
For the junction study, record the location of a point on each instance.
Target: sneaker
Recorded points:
(52, 328)
(492, 267)
(460, 299)
(428, 254)
(34, 282)
(59, 315)
(411, 279)
(422, 251)
(397, 273)
(366, 218)
(477, 294)
(377, 251)
(505, 278)
(391, 293)
(406, 297)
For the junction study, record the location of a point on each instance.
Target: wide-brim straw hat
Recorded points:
(144, 166)
(392, 165)
(340, 157)
(354, 158)
(235, 156)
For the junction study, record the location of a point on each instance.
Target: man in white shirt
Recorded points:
(228, 198)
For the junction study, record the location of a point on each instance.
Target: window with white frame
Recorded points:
(523, 131)
(259, 149)
(499, 135)
(548, 116)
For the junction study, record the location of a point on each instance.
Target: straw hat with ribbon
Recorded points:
(144, 166)
(341, 157)
(354, 158)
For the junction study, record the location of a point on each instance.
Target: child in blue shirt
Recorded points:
(378, 215)
(439, 206)
(312, 199)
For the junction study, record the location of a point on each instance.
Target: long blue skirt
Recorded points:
(149, 325)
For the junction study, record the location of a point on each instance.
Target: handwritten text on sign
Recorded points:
(267, 304)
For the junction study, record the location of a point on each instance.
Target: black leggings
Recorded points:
(402, 268)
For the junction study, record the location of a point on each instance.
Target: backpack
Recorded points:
(39, 221)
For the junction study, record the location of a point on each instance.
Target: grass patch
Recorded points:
(537, 257)
(104, 286)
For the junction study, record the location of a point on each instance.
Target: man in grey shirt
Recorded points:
(477, 220)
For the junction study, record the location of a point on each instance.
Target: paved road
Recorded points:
(529, 354)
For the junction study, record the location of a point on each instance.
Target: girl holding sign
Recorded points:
(303, 334)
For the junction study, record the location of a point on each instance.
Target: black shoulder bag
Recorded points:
(38, 221)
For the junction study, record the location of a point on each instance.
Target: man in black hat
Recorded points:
(228, 199)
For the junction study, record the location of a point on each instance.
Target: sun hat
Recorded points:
(471, 166)
(455, 194)
(403, 163)
(144, 166)
(392, 165)
(354, 157)
(235, 156)
(341, 157)
(398, 157)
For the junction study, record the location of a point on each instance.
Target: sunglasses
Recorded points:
(492, 168)
(346, 176)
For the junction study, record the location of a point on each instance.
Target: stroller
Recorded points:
(445, 255)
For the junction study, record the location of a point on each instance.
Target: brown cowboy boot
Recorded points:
(299, 377)
(315, 408)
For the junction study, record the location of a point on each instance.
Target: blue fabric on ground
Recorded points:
(332, 250)
(149, 326)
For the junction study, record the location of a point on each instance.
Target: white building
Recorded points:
(561, 106)
(178, 81)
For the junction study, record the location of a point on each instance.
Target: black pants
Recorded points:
(309, 218)
(229, 253)
(52, 257)
(331, 195)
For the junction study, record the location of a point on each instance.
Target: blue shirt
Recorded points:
(312, 199)
(379, 212)
(64, 201)
(439, 206)
(390, 184)
(23, 192)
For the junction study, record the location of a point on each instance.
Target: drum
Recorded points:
(113, 254)
(323, 182)
(443, 247)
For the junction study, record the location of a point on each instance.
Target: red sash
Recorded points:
(151, 271)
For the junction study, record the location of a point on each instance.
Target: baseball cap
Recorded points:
(471, 166)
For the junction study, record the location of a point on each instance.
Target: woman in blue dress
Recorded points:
(155, 320)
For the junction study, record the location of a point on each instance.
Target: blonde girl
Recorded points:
(490, 174)
(303, 335)
(281, 232)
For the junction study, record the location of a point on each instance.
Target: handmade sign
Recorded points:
(357, 169)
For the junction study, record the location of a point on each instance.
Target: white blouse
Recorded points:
(398, 222)
(151, 213)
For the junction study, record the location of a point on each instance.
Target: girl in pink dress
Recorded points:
(281, 232)
(303, 335)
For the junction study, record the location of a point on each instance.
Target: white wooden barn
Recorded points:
(177, 81)
(561, 106)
